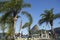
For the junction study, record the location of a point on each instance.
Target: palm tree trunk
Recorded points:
(3, 34)
(14, 25)
(29, 32)
(3, 29)
(52, 33)
(14, 20)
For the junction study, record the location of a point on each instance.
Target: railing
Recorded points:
(36, 37)
(31, 39)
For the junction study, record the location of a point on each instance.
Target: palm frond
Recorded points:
(51, 10)
(2, 3)
(46, 11)
(29, 16)
(26, 5)
(57, 16)
(6, 6)
(25, 25)
(10, 29)
(9, 19)
(41, 21)
(42, 14)
(6, 15)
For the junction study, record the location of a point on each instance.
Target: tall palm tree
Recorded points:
(10, 28)
(10, 32)
(10, 24)
(28, 24)
(48, 17)
(3, 27)
(13, 8)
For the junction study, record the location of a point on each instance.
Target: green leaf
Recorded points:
(41, 21)
(26, 5)
(25, 25)
(28, 24)
(57, 16)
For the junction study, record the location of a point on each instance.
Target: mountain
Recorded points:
(57, 30)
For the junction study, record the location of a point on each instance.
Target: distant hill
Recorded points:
(57, 30)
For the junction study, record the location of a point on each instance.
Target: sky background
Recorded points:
(37, 8)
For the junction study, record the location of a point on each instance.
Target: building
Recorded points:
(42, 35)
(1, 35)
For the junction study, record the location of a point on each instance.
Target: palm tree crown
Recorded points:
(48, 16)
(13, 7)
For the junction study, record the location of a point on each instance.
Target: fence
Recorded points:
(31, 39)
(34, 39)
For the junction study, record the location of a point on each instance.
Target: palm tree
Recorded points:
(28, 24)
(2, 3)
(10, 32)
(13, 8)
(3, 27)
(48, 17)
(10, 28)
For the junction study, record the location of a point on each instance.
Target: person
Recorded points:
(54, 35)
(50, 33)
(40, 34)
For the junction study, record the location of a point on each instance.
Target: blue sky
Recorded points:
(38, 7)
